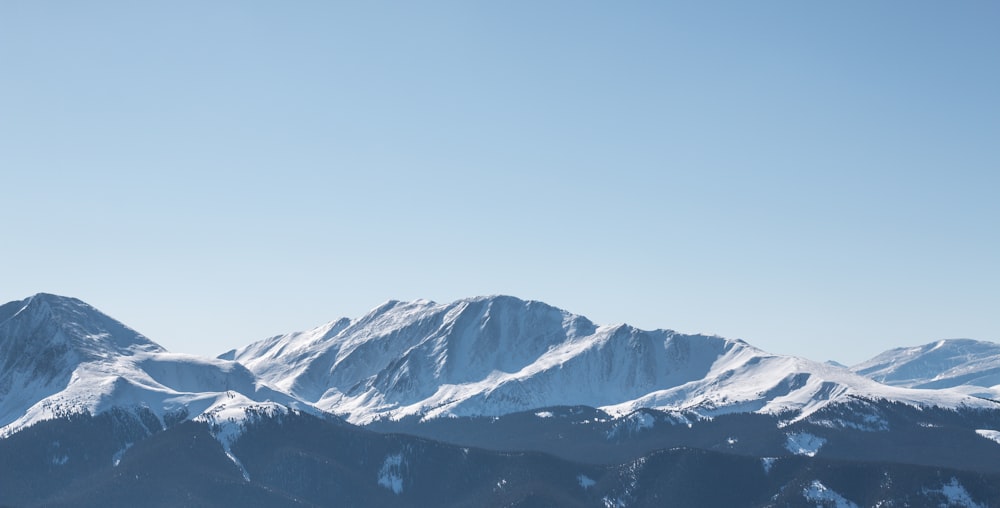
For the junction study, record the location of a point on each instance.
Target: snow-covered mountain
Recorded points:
(499, 355)
(60, 356)
(775, 424)
(965, 365)
(479, 356)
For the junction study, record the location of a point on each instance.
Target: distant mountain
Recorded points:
(490, 401)
(500, 355)
(60, 357)
(43, 340)
(968, 366)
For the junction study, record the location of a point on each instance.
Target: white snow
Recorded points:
(804, 443)
(491, 356)
(485, 356)
(964, 366)
(768, 463)
(613, 502)
(117, 457)
(390, 475)
(585, 481)
(955, 494)
(645, 421)
(630, 424)
(127, 382)
(992, 435)
(816, 492)
(106, 365)
(862, 422)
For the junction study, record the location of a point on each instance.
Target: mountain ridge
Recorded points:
(60, 356)
(965, 365)
(480, 356)
(44, 338)
(494, 355)
(496, 378)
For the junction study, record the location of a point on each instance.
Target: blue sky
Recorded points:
(819, 179)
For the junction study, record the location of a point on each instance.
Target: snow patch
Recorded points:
(117, 457)
(631, 424)
(816, 492)
(390, 475)
(645, 421)
(585, 481)
(544, 414)
(229, 416)
(239, 465)
(862, 422)
(616, 502)
(768, 463)
(803, 443)
(955, 494)
(992, 435)
(61, 460)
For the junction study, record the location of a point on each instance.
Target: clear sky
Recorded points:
(817, 178)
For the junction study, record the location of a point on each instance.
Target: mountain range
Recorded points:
(963, 365)
(498, 355)
(500, 375)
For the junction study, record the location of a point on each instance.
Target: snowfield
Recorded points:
(992, 435)
(803, 443)
(954, 494)
(390, 475)
(971, 367)
(816, 492)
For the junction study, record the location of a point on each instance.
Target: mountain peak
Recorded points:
(49, 320)
(44, 338)
(490, 355)
(59, 355)
(949, 363)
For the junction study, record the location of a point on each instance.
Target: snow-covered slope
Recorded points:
(969, 366)
(60, 356)
(479, 356)
(498, 355)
